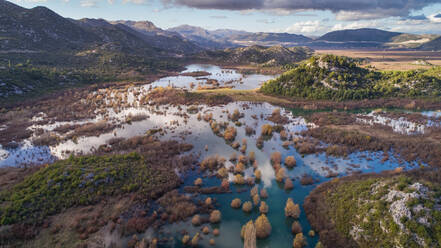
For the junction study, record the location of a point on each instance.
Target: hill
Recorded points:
(341, 78)
(159, 38)
(392, 209)
(260, 55)
(204, 38)
(39, 28)
(364, 34)
(434, 45)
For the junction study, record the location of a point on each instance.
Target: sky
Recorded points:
(308, 17)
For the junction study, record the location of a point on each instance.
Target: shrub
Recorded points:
(222, 172)
(248, 233)
(263, 209)
(258, 174)
(254, 191)
(235, 145)
(283, 135)
(276, 157)
(196, 220)
(311, 233)
(252, 156)
(212, 242)
(206, 230)
(247, 206)
(259, 142)
(280, 175)
(249, 131)
(236, 203)
(239, 168)
(306, 180)
(230, 133)
(267, 130)
(296, 227)
(198, 182)
(256, 199)
(185, 239)
(263, 194)
(263, 227)
(291, 209)
(290, 161)
(299, 241)
(288, 184)
(239, 179)
(215, 216)
(212, 162)
(243, 159)
(225, 184)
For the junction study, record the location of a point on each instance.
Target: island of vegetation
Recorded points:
(342, 78)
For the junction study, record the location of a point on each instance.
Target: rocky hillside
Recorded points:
(341, 78)
(394, 209)
(264, 56)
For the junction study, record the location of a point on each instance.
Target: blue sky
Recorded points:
(293, 16)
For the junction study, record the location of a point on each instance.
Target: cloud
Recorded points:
(356, 25)
(344, 9)
(307, 27)
(219, 17)
(266, 21)
(88, 3)
(135, 1)
(435, 18)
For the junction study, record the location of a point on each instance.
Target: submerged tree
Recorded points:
(263, 227)
(291, 209)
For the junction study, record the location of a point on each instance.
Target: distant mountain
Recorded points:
(432, 45)
(161, 38)
(359, 35)
(40, 29)
(202, 37)
(260, 55)
(370, 38)
(270, 39)
(223, 38)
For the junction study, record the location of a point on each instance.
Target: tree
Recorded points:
(215, 216)
(291, 209)
(299, 241)
(263, 227)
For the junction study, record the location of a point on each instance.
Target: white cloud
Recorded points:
(356, 25)
(307, 27)
(135, 1)
(88, 3)
(435, 18)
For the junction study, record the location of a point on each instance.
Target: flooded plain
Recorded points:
(128, 116)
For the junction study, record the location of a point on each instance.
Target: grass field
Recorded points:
(390, 60)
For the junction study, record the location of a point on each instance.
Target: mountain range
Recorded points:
(41, 29)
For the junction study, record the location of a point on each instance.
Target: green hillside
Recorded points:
(341, 78)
